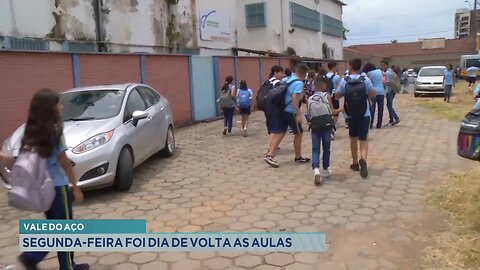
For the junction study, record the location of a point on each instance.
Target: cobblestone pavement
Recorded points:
(217, 183)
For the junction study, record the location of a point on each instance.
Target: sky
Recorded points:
(380, 21)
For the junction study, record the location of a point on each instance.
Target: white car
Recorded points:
(429, 81)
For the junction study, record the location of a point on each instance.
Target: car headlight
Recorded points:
(92, 143)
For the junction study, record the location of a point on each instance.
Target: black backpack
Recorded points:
(356, 97)
(468, 142)
(275, 104)
(330, 86)
(262, 95)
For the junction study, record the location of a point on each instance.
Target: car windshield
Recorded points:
(91, 105)
(427, 72)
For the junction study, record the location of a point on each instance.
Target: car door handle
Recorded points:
(162, 108)
(149, 118)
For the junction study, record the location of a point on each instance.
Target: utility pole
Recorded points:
(475, 30)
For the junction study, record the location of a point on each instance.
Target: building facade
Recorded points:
(428, 52)
(312, 28)
(462, 23)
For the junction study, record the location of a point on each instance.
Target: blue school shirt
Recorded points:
(472, 72)
(377, 81)
(388, 78)
(448, 74)
(368, 85)
(294, 88)
(55, 167)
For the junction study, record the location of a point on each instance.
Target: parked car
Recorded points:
(429, 81)
(109, 130)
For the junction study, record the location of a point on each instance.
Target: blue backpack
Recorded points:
(243, 99)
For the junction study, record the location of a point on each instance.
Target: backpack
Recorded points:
(318, 111)
(243, 98)
(309, 90)
(356, 97)
(275, 104)
(32, 189)
(262, 95)
(226, 100)
(395, 82)
(468, 141)
(330, 85)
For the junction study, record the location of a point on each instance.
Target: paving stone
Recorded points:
(295, 266)
(218, 263)
(125, 266)
(186, 264)
(144, 257)
(279, 259)
(112, 259)
(172, 256)
(248, 261)
(358, 263)
(157, 265)
(308, 258)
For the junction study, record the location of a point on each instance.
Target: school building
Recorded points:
(312, 28)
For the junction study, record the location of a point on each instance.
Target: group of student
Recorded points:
(362, 88)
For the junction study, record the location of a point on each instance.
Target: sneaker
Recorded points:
(83, 266)
(27, 264)
(317, 177)
(332, 135)
(355, 167)
(363, 168)
(326, 173)
(244, 133)
(396, 122)
(302, 160)
(270, 161)
(390, 124)
(224, 131)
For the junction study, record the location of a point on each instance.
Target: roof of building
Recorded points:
(424, 47)
(339, 2)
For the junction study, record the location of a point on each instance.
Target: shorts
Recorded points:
(359, 127)
(268, 123)
(472, 79)
(280, 124)
(245, 111)
(335, 103)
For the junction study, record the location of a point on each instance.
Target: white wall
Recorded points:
(26, 18)
(275, 35)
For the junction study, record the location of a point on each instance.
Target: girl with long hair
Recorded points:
(44, 135)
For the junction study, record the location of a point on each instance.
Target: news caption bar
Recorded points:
(131, 236)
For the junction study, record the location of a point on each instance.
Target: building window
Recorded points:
(24, 44)
(304, 17)
(332, 26)
(255, 15)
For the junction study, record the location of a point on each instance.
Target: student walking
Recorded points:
(404, 81)
(375, 75)
(244, 103)
(448, 82)
(320, 118)
(227, 104)
(357, 90)
(288, 115)
(390, 93)
(472, 76)
(333, 79)
(44, 135)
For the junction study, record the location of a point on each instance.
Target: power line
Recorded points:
(404, 35)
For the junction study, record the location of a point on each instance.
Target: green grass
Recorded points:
(460, 104)
(459, 248)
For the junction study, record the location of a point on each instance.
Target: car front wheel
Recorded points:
(124, 174)
(169, 148)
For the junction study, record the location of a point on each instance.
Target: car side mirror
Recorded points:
(137, 116)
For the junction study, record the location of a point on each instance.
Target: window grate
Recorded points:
(304, 17)
(255, 15)
(73, 46)
(332, 26)
(25, 44)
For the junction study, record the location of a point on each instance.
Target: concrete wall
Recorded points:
(275, 35)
